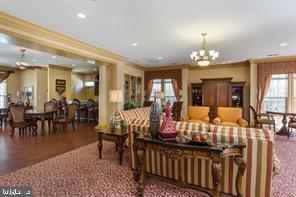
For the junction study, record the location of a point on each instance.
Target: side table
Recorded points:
(113, 135)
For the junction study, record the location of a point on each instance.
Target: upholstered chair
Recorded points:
(292, 124)
(230, 116)
(91, 109)
(68, 118)
(18, 120)
(197, 114)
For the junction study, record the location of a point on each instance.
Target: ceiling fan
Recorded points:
(24, 65)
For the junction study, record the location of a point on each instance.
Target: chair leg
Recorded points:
(12, 131)
(49, 123)
(88, 117)
(79, 115)
(73, 125)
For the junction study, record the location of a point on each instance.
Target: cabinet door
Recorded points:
(209, 94)
(223, 94)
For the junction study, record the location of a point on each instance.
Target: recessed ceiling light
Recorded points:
(159, 58)
(54, 57)
(134, 44)
(81, 15)
(283, 44)
(274, 54)
(34, 60)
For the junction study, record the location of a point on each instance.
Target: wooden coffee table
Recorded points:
(114, 135)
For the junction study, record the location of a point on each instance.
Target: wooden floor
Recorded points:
(21, 151)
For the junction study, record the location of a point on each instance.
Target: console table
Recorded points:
(178, 151)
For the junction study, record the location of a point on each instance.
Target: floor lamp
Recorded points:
(116, 96)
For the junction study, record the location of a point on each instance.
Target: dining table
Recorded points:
(38, 114)
(284, 130)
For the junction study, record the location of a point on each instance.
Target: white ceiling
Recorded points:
(9, 54)
(238, 29)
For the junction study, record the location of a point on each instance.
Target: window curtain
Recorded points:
(262, 91)
(265, 70)
(148, 90)
(176, 89)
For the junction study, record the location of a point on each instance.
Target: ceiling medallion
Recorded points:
(204, 57)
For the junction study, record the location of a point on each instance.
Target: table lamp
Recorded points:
(116, 96)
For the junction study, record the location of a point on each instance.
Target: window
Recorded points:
(3, 94)
(277, 95)
(164, 85)
(89, 84)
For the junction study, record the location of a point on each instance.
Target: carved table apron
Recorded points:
(179, 151)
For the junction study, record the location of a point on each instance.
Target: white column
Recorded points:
(253, 89)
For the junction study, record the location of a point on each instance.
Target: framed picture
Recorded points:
(60, 89)
(60, 82)
(28, 90)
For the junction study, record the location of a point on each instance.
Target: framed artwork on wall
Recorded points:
(60, 82)
(60, 89)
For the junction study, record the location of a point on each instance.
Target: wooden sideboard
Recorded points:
(218, 92)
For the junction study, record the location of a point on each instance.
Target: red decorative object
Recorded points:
(168, 126)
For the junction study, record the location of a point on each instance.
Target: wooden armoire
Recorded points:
(217, 92)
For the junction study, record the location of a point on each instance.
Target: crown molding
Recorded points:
(273, 59)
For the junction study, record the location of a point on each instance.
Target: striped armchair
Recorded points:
(259, 155)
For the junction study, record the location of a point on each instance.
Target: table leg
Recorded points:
(241, 164)
(216, 172)
(284, 129)
(120, 143)
(100, 144)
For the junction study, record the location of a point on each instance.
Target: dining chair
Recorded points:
(262, 119)
(91, 109)
(68, 118)
(79, 107)
(48, 106)
(18, 119)
(292, 124)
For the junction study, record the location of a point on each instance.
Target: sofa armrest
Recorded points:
(242, 122)
(206, 119)
(185, 118)
(217, 121)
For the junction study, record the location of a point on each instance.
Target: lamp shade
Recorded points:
(116, 96)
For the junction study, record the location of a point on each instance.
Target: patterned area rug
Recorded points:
(285, 183)
(81, 173)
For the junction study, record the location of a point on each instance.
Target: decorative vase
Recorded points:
(168, 126)
(154, 119)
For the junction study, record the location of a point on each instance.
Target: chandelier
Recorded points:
(204, 57)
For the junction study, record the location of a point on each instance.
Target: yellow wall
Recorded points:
(57, 72)
(29, 78)
(79, 90)
(13, 85)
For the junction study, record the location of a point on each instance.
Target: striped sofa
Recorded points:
(135, 116)
(259, 155)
